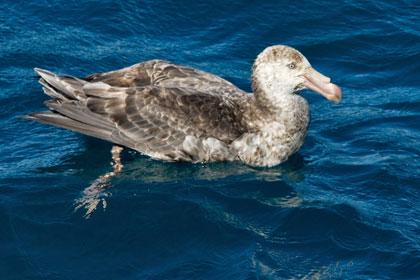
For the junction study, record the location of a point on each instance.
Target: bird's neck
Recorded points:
(276, 129)
(271, 96)
(271, 104)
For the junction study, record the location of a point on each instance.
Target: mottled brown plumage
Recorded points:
(173, 112)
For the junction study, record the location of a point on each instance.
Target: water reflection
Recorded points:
(148, 171)
(142, 169)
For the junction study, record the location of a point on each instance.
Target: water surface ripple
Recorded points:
(347, 206)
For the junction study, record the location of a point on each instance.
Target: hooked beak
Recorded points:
(322, 84)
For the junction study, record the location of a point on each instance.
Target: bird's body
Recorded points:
(177, 113)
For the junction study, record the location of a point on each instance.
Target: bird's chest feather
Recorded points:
(275, 141)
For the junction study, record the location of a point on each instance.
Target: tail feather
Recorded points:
(55, 119)
(69, 109)
(78, 112)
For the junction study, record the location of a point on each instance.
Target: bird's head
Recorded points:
(281, 70)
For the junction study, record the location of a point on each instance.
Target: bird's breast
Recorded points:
(276, 140)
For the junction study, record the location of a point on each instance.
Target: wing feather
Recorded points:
(155, 116)
(166, 74)
(136, 107)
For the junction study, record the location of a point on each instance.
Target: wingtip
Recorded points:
(43, 72)
(36, 116)
(26, 117)
(37, 70)
(45, 76)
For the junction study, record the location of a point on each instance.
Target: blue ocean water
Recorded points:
(346, 206)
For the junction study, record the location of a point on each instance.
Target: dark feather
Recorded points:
(165, 74)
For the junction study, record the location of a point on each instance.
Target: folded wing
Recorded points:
(166, 74)
(152, 119)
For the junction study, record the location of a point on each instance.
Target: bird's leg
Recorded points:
(94, 194)
(116, 165)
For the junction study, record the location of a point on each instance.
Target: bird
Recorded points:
(175, 113)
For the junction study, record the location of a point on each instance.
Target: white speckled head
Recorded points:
(279, 71)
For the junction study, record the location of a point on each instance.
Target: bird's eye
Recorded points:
(291, 66)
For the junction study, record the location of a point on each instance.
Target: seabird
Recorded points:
(177, 113)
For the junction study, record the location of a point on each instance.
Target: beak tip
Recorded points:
(322, 84)
(336, 94)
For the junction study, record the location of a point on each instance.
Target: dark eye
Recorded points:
(291, 66)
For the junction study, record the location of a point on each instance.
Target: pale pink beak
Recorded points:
(322, 84)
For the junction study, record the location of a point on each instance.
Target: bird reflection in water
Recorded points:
(146, 170)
